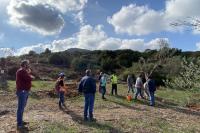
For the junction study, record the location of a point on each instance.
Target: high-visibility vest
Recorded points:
(114, 79)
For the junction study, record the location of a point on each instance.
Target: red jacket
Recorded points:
(23, 80)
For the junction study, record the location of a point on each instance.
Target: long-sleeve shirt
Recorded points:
(130, 81)
(23, 80)
(151, 85)
(139, 83)
(103, 81)
(87, 85)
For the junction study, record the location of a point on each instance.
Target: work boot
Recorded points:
(22, 128)
(92, 120)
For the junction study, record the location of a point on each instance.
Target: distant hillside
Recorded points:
(73, 50)
(74, 61)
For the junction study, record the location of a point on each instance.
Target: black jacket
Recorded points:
(87, 85)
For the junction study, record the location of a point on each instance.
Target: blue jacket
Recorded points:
(87, 85)
(151, 85)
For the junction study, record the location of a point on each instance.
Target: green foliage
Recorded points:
(55, 59)
(80, 64)
(189, 76)
(32, 53)
(47, 51)
(109, 64)
(59, 59)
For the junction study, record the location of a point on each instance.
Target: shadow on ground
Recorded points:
(77, 118)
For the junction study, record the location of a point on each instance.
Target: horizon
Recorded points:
(34, 25)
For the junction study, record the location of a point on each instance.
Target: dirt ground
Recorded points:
(112, 116)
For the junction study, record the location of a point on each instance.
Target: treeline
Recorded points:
(124, 62)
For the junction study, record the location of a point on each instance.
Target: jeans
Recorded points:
(61, 98)
(114, 88)
(22, 101)
(89, 105)
(146, 92)
(138, 91)
(130, 88)
(152, 98)
(103, 91)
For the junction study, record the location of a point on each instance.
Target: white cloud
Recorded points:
(198, 45)
(136, 20)
(110, 44)
(178, 9)
(44, 16)
(93, 38)
(156, 43)
(4, 52)
(135, 44)
(40, 18)
(65, 5)
(90, 37)
(80, 17)
(141, 20)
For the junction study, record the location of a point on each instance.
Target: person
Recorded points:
(99, 78)
(130, 83)
(103, 83)
(23, 86)
(60, 89)
(152, 88)
(87, 86)
(145, 86)
(114, 83)
(146, 91)
(138, 86)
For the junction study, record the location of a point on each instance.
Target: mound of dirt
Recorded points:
(194, 106)
(70, 91)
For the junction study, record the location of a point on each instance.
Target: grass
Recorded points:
(36, 85)
(181, 98)
(147, 124)
(58, 128)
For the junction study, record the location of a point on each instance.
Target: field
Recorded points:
(170, 115)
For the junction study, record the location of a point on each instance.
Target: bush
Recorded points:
(188, 78)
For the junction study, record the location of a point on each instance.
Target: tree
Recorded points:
(32, 53)
(3, 74)
(163, 53)
(56, 59)
(80, 64)
(109, 64)
(47, 51)
(189, 76)
(189, 22)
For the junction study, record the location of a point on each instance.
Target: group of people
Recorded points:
(149, 87)
(87, 86)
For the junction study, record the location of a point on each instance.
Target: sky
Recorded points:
(96, 24)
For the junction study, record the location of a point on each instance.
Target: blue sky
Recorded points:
(95, 24)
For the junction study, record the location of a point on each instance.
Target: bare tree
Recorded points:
(164, 52)
(189, 22)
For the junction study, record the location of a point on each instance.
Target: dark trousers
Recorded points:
(89, 105)
(138, 91)
(103, 91)
(61, 98)
(152, 98)
(114, 88)
(22, 101)
(130, 88)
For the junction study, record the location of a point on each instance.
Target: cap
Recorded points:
(61, 74)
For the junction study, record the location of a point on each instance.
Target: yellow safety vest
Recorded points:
(114, 79)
